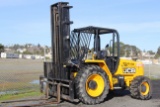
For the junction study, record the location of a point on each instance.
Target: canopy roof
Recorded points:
(93, 29)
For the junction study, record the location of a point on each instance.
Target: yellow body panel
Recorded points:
(136, 66)
(127, 68)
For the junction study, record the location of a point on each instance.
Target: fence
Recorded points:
(152, 71)
(19, 75)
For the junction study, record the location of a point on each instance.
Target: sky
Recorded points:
(28, 21)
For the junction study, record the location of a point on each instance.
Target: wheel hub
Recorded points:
(95, 85)
(92, 84)
(143, 88)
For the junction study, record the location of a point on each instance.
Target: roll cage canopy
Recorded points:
(82, 37)
(92, 30)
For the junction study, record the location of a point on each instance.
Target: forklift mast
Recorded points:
(60, 27)
(60, 22)
(56, 71)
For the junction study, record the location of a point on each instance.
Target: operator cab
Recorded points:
(103, 43)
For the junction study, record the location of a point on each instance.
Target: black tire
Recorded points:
(136, 88)
(81, 79)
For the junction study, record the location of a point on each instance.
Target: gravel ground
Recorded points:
(116, 99)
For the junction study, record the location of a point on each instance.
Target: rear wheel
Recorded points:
(141, 88)
(92, 84)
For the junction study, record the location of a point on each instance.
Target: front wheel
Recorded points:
(141, 88)
(92, 84)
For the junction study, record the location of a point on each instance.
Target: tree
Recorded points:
(151, 52)
(1, 48)
(38, 45)
(158, 53)
(27, 52)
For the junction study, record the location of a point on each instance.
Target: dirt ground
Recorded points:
(116, 99)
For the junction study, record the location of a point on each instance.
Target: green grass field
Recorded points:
(21, 95)
(16, 76)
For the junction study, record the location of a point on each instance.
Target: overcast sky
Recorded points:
(28, 21)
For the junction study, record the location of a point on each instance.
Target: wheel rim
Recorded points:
(98, 86)
(145, 88)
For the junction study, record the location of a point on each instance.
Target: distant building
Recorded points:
(155, 61)
(32, 57)
(21, 50)
(38, 57)
(129, 58)
(147, 61)
(9, 55)
(20, 56)
(147, 55)
(27, 56)
(48, 55)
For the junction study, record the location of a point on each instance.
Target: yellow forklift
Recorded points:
(79, 72)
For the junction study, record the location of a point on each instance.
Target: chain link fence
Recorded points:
(19, 75)
(152, 71)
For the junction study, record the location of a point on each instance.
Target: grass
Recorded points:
(17, 75)
(20, 95)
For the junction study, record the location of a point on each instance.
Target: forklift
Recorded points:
(79, 72)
